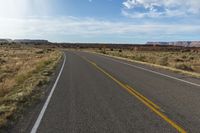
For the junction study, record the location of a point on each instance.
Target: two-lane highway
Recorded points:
(101, 94)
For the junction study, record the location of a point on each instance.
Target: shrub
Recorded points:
(2, 61)
(40, 52)
(184, 57)
(140, 58)
(184, 67)
(178, 60)
(163, 61)
(191, 58)
(103, 51)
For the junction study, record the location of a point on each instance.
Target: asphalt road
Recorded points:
(100, 94)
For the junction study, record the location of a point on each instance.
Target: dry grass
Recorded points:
(184, 62)
(23, 71)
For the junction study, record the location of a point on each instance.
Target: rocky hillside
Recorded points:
(178, 43)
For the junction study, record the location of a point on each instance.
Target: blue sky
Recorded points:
(106, 21)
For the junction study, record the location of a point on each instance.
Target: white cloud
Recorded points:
(161, 8)
(71, 26)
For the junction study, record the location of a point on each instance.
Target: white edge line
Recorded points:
(37, 123)
(148, 70)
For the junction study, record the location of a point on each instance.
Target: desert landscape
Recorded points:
(27, 66)
(180, 59)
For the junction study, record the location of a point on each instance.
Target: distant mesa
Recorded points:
(29, 41)
(38, 41)
(177, 43)
(24, 41)
(5, 40)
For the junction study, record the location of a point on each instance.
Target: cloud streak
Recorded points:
(47, 27)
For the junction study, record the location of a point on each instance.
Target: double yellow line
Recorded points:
(155, 108)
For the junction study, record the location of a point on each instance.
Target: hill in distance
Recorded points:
(177, 43)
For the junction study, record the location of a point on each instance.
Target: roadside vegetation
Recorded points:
(24, 71)
(187, 61)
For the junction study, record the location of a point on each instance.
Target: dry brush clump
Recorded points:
(23, 70)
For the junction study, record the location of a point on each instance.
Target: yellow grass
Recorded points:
(23, 70)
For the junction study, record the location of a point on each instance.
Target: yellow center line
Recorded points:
(143, 97)
(155, 108)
